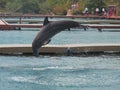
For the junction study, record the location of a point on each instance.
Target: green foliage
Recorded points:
(80, 9)
(58, 7)
(2, 4)
(61, 7)
(12, 6)
(29, 6)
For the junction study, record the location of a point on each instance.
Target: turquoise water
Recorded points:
(46, 72)
(60, 73)
(65, 37)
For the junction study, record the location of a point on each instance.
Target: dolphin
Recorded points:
(48, 30)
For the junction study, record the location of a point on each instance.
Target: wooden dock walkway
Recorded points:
(6, 26)
(81, 21)
(60, 49)
(105, 26)
(58, 16)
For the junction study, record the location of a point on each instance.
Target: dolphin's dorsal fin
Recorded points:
(45, 21)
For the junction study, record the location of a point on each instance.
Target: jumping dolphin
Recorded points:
(48, 30)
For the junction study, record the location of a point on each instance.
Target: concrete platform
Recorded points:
(60, 49)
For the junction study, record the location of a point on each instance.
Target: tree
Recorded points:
(59, 7)
(3, 3)
(13, 6)
(29, 6)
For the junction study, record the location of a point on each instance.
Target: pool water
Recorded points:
(74, 36)
(60, 72)
(101, 72)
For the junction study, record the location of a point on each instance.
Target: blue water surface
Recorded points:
(46, 72)
(60, 72)
(75, 36)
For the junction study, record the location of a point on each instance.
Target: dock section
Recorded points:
(81, 21)
(98, 24)
(6, 26)
(104, 26)
(60, 49)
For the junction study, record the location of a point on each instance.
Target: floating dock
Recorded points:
(58, 16)
(105, 26)
(6, 26)
(60, 49)
(81, 21)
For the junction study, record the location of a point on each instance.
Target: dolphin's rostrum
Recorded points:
(48, 31)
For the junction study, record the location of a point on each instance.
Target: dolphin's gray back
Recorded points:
(57, 26)
(65, 24)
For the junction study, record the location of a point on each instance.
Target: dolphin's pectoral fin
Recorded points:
(47, 42)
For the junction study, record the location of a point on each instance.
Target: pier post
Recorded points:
(20, 21)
